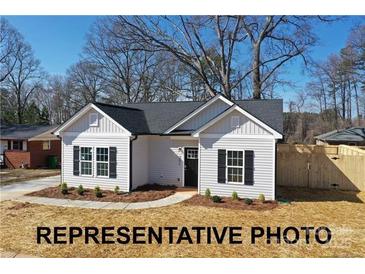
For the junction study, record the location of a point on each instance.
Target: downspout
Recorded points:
(276, 168)
(133, 138)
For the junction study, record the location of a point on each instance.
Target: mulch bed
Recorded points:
(226, 202)
(141, 194)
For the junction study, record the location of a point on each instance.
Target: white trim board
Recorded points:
(94, 135)
(199, 109)
(236, 136)
(275, 134)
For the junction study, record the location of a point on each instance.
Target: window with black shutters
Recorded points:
(249, 167)
(234, 166)
(102, 161)
(86, 158)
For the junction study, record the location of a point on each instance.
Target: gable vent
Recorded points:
(235, 122)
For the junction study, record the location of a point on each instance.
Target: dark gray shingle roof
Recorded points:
(156, 118)
(355, 134)
(268, 111)
(22, 132)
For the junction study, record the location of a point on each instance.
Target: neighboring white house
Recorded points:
(220, 144)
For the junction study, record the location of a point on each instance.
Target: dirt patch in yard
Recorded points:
(141, 194)
(20, 206)
(8, 176)
(199, 200)
(302, 194)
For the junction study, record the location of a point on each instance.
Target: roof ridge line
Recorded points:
(117, 106)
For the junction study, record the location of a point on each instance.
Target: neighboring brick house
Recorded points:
(28, 146)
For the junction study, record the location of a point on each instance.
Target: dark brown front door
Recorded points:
(191, 166)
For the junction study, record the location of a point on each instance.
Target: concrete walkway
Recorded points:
(170, 200)
(15, 190)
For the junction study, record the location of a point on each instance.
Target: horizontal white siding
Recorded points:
(166, 161)
(122, 145)
(105, 125)
(246, 126)
(140, 160)
(204, 116)
(263, 166)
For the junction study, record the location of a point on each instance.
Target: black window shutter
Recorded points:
(112, 162)
(76, 160)
(221, 166)
(249, 166)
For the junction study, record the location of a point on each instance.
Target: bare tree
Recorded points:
(84, 77)
(275, 40)
(9, 47)
(128, 73)
(353, 56)
(207, 45)
(24, 76)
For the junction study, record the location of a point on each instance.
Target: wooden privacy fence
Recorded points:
(327, 167)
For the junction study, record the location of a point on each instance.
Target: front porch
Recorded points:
(165, 160)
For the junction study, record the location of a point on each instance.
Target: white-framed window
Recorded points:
(234, 166)
(102, 161)
(86, 161)
(192, 154)
(46, 145)
(17, 145)
(93, 119)
(235, 122)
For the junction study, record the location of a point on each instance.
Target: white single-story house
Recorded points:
(219, 144)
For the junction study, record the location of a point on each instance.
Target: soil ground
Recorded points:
(141, 194)
(8, 176)
(199, 200)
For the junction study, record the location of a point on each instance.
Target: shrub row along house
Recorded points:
(28, 146)
(219, 144)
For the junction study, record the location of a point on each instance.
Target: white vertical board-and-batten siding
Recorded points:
(106, 134)
(105, 125)
(248, 136)
(204, 116)
(246, 126)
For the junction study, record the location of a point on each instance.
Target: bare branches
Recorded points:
(275, 40)
(9, 47)
(22, 71)
(204, 44)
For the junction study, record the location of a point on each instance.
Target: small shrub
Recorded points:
(207, 193)
(235, 196)
(98, 192)
(248, 201)
(80, 190)
(64, 188)
(116, 190)
(261, 198)
(216, 199)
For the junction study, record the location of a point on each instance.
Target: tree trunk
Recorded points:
(256, 79)
(19, 108)
(357, 104)
(335, 107)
